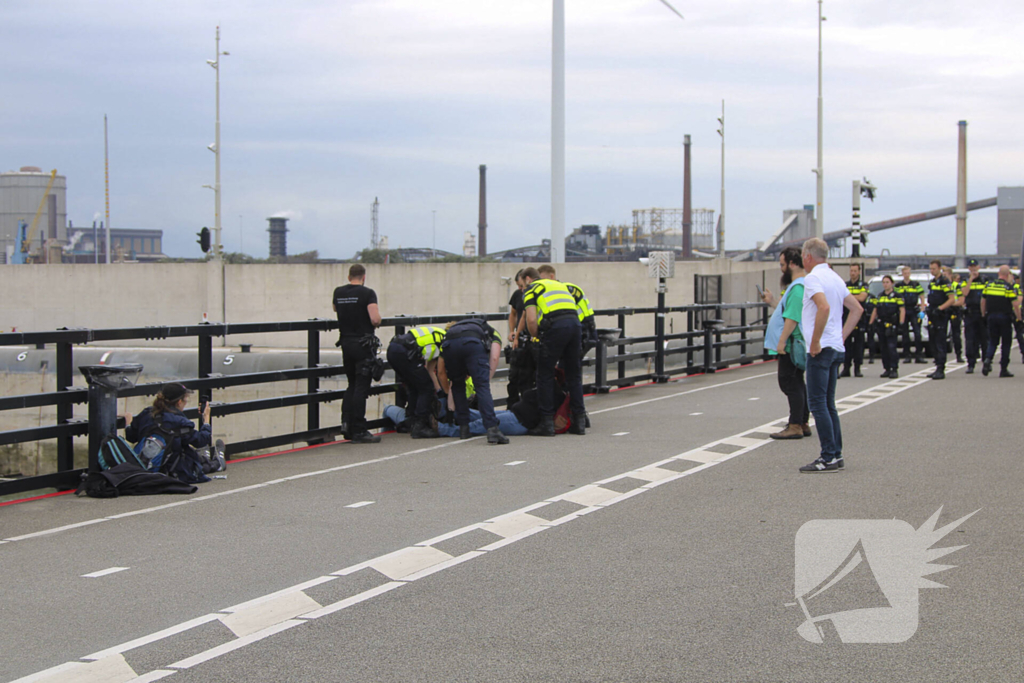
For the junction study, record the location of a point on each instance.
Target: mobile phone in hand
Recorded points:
(760, 292)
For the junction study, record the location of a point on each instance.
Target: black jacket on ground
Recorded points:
(128, 479)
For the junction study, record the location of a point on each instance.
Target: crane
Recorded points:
(21, 252)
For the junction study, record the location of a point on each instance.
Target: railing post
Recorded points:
(718, 337)
(743, 334)
(205, 366)
(689, 340)
(313, 383)
(709, 345)
(400, 398)
(601, 367)
(622, 347)
(659, 332)
(65, 411)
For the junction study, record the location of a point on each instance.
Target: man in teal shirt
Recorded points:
(783, 335)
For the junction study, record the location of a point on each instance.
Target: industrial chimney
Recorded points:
(687, 208)
(482, 225)
(278, 237)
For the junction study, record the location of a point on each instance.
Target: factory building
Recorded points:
(21, 192)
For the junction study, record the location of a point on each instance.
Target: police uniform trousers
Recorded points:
(468, 356)
(413, 374)
(887, 339)
(913, 324)
(1018, 328)
(522, 371)
(871, 341)
(854, 345)
(938, 329)
(358, 359)
(976, 334)
(1000, 329)
(955, 320)
(560, 341)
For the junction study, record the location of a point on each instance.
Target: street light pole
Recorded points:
(433, 234)
(721, 213)
(558, 133)
(819, 223)
(215, 148)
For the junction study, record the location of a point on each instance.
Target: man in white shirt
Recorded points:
(825, 296)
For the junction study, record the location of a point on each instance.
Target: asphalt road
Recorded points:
(660, 547)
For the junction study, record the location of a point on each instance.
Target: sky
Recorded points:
(327, 105)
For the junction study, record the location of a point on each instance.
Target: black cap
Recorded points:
(174, 391)
(973, 262)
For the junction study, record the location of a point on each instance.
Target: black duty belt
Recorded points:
(558, 315)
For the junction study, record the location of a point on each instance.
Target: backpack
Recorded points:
(160, 450)
(152, 449)
(114, 450)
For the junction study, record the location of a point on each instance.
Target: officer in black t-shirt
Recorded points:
(358, 317)
(522, 370)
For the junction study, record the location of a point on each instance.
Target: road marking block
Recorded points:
(104, 572)
(353, 600)
(360, 504)
(408, 561)
(589, 495)
(512, 525)
(514, 463)
(621, 434)
(152, 638)
(652, 474)
(233, 645)
(153, 676)
(113, 669)
(267, 614)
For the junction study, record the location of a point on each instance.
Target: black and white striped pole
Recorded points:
(857, 235)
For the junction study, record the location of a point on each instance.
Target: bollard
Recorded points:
(104, 383)
(709, 345)
(604, 336)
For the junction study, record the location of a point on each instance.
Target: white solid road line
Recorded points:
(104, 572)
(683, 393)
(421, 560)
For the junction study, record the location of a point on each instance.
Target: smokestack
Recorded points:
(53, 251)
(482, 225)
(278, 237)
(961, 198)
(687, 210)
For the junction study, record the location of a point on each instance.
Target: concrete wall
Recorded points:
(47, 297)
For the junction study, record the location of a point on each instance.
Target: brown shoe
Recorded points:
(807, 429)
(790, 432)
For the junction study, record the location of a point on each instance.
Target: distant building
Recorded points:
(89, 245)
(1010, 230)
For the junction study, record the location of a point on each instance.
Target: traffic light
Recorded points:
(204, 240)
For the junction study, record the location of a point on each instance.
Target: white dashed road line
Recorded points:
(104, 572)
(360, 504)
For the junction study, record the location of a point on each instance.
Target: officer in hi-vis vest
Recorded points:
(975, 327)
(889, 314)
(413, 356)
(552, 315)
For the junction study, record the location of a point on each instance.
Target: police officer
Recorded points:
(413, 356)
(913, 295)
(358, 317)
(955, 313)
(471, 348)
(940, 300)
(1018, 324)
(522, 370)
(551, 315)
(975, 327)
(1000, 306)
(888, 317)
(855, 342)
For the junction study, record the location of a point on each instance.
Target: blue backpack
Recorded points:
(114, 450)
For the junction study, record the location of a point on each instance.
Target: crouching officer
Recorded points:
(472, 348)
(358, 317)
(975, 328)
(551, 315)
(1000, 306)
(888, 316)
(413, 356)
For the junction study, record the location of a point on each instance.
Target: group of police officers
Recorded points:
(987, 312)
(551, 327)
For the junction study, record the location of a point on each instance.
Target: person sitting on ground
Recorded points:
(165, 418)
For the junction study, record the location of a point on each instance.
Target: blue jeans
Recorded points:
(507, 422)
(822, 374)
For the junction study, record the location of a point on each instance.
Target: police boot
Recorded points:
(885, 374)
(986, 368)
(422, 430)
(1005, 372)
(546, 427)
(495, 436)
(578, 424)
(857, 372)
(970, 369)
(845, 372)
(464, 432)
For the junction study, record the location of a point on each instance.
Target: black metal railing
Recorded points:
(706, 337)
